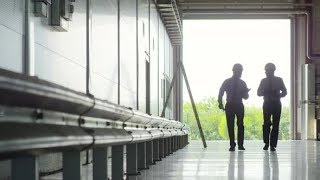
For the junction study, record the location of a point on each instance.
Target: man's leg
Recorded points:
(266, 124)
(275, 125)
(240, 115)
(230, 123)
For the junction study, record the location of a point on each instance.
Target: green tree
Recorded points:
(214, 124)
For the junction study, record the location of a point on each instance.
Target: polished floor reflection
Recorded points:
(298, 160)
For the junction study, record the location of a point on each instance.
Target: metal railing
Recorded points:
(38, 117)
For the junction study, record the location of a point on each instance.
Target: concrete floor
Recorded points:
(298, 160)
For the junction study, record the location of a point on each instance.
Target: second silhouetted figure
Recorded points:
(236, 90)
(272, 89)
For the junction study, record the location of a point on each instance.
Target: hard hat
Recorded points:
(237, 67)
(270, 66)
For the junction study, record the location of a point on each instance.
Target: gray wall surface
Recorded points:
(128, 53)
(12, 34)
(104, 57)
(115, 41)
(60, 57)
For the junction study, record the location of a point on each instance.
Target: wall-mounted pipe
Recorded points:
(310, 56)
(28, 61)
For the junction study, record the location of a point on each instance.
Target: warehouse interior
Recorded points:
(93, 89)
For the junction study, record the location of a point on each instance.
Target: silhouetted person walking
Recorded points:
(236, 90)
(272, 89)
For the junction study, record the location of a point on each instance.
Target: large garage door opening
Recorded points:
(211, 48)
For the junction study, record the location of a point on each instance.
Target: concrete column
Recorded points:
(100, 167)
(23, 168)
(156, 150)
(149, 153)
(161, 148)
(119, 162)
(132, 160)
(166, 146)
(170, 145)
(72, 165)
(142, 159)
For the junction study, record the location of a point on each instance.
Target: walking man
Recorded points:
(236, 90)
(272, 89)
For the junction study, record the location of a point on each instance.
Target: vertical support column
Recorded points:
(187, 139)
(119, 52)
(173, 141)
(167, 152)
(142, 160)
(149, 153)
(72, 165)
(89, 43)
(132, 160)
(177, 142)
(173, 144)
(100, 167)
(156, 150)
(293, 64)
(170, 145)
(29, 57)
(118, 162)
(109, 162)
(161, 148)
(183, 141)
(23, 168)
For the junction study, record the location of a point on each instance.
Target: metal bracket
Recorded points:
(61, 14)
(67, 9)
(41, 7)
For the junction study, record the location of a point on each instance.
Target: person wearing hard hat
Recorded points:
(236, 90)
(272, 89)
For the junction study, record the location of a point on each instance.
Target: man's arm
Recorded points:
(221, 92)
(282, 88)
(245, 94)
(261, 89)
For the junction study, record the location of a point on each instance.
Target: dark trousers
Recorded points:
(233, 110)
(271, 109)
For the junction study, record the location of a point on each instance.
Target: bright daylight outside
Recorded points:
(211, 48)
